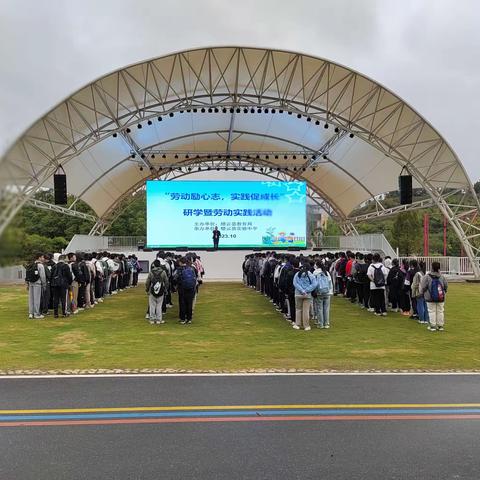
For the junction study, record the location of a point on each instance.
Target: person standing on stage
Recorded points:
(216, 237)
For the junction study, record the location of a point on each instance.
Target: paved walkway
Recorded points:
(237, 427)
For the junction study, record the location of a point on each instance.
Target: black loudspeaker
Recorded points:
(60, 189)
(405, 188)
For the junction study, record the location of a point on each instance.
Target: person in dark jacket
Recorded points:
(395, 283)
(185, 279)
(216, 237)
(61, 278)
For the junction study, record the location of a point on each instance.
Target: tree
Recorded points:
(407, 233)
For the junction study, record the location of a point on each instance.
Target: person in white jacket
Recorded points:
(378, 273)
(322, 295)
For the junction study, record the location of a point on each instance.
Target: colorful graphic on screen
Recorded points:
(248, 214)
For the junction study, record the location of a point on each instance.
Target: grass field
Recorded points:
(235, 329)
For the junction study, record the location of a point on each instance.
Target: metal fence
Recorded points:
(448, 265)
(364, 243)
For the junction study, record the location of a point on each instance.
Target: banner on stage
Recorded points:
(249, 214)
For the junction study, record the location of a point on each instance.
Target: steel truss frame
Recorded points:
(243, 78)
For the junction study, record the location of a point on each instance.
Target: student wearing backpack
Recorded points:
(377, 273)
(61, 279)
(321, 295)
(156, 286)
(185, 278)
(36, 282)
(421, 305)
(362, 282)
(305, 283)
(395, 283)
(434, 287)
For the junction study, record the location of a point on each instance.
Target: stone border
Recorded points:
(166, 371)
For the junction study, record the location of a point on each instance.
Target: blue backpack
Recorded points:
(437, 292)
(323, 284)
(188, 278)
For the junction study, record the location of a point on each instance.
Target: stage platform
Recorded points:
(220, 265)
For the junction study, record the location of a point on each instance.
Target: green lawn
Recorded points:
(235, 329)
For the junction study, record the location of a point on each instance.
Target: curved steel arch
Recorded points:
(307, 149)
(241, 77)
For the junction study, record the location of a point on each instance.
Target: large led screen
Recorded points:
(248, 214)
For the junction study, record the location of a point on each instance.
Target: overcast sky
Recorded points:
(426, 51)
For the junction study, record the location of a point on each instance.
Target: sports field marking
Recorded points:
(241, 407)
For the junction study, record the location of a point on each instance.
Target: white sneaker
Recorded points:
(371, 310)
(295, 326)
(326, 326)
(307, 329)
(384, 314)
(75, 312)
(152, 322)
(30, 316)
(38, 317)
(147, 316)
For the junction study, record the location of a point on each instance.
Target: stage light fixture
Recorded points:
(238, 157)
(181, 111)
(149, 122)
(141, 169)
(186, 156)
(304, 157)
(139, 126)
(216, 110)
(210, 110)
(303, 169)
(286, 169)
(261, 169)
(280, 111)
(234, 169)
(289, 112)
(314, 169)
(202, 110)
(224, 110)
(336, 130)
(195, 110)
(132, 155)
(257, 156)
(199, 169)
(294, 169)
(238, 110)
(164, 156)
(326, 125)
(294, 157)
(267, 157)
(244, 168)
(317, 122)
(299, 115)
(189, 169)
(209, 168)
(351, 135)
(153, 155)
(252, 110)
(114, 135)
(226, 168)
(276, 157)
(189, 110)
(314, 157)
(259, 110)
(273, 110)
(245, 110)
(252, 169)
(128, 130)
(176, 156)
(159, 119)
(218, 169)
(278, 168)
(151, 169)
(170, 114)
(142, 155)
(232, 109)
(324, 156)
(285, 157)
(309, 119)
(265, 110)
(208, 156)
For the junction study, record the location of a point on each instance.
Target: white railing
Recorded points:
(357, 243)
(448, 265)
(94, 243)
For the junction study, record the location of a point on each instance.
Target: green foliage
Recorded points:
(407, 233)
(133, 219)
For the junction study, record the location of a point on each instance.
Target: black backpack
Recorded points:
(157, 287)
(361, 273)
(31, 273)
(378, 276)
(56, 278)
